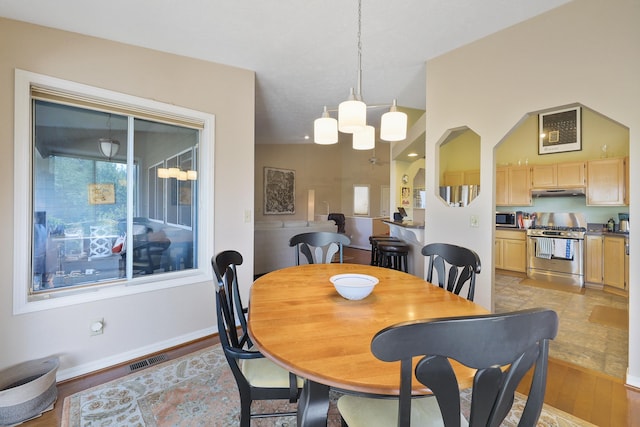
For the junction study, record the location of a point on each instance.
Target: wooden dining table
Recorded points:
(298, 320)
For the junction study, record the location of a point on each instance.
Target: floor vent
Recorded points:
(148, 362)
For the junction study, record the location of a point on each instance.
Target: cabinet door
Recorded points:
(614, 262)
(514, 255)
(519, 184)
(472, 177)
(498, 253)
(544, 176)
(605, 182)
(502, 192)
(593, 259)
(571, 174)
(454, 178)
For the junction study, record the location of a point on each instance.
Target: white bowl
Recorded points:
(354, 286)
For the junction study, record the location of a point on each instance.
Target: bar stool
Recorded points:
(373, 240)
(393, 255)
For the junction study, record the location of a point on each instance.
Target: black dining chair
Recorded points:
(257, 377)
(319, 247)
(455, 265)
(502, 347)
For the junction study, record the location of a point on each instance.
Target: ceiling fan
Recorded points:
(374, 161)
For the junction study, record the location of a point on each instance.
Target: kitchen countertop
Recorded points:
(601, 229)
(510, 228)
(406, 224)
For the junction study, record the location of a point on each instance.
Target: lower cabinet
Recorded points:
(605, 261)
(511, 250)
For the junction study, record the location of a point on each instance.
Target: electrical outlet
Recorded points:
(247, 215)
(473, 221)
(96, 327)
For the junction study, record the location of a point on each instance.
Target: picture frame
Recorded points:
(101, 194)
(279, 191)
(560, 131)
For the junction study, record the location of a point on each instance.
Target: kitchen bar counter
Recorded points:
(413, 233)
(407, 224)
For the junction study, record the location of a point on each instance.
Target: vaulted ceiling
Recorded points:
(304, 53)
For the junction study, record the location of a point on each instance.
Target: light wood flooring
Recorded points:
(601, 399)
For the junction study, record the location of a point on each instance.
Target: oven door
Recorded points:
(555, 259)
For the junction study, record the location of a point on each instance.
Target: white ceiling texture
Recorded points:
(304, 53)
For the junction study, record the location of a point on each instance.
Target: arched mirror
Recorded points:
(459, 179)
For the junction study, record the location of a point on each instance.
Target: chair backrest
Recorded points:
(319, 247)
(455, 265)
(230, 310)
(502, 347)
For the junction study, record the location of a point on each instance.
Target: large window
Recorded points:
(112, 189)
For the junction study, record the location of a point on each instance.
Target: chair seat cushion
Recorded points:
(264, 373)
(360, 411)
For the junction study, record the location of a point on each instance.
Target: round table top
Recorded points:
(298, 320)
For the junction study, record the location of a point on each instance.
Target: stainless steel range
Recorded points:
(555, 248)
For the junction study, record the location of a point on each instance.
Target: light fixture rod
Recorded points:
(359, 93)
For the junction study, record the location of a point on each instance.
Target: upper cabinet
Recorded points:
(561, 175)
(513, 186)
(606, 182)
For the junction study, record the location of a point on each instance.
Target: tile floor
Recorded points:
(580, 341)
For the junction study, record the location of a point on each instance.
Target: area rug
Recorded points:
(553, 286)
(199, 390)
(610, 316)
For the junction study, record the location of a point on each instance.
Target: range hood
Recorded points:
(557, 192)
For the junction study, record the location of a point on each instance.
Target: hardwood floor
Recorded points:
(600, 399)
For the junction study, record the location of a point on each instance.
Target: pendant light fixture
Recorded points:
(352, 115)
(108, 146)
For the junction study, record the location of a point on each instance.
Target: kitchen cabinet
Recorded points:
(511, 250)
(614, 262)
(594, 258)
(560, 175)
(605, 261)
(513, 186)
(462, 177)
(454, 178)
(606, 182)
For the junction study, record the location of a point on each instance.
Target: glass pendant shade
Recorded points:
(365, 139)
(192, 175)
(325, 129)
(108, 147)
(352, 115)
(393, 125)
(163, 173)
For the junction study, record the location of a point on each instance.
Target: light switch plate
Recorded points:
(473, 221)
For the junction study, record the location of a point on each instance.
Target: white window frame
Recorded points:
(23, 301)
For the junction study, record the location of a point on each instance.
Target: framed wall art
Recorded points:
(102, 194)
(559, 131)
(279, 191)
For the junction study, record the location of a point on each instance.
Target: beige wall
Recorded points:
(330, 170)
(137, 324)
(585, 52)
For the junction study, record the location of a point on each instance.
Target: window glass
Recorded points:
(96, 218)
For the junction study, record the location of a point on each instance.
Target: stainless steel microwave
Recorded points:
(506, 219)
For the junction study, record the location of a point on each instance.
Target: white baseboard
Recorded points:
(120, 358)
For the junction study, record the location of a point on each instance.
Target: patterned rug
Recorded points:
(199, 390)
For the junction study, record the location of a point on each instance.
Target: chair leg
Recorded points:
(245, 411)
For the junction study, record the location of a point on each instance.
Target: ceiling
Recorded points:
(304, 53)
